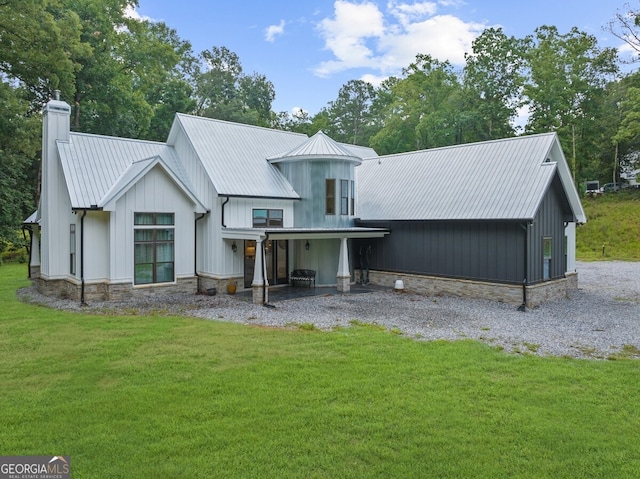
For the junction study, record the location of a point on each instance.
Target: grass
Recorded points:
(612, 231)
(170, 397)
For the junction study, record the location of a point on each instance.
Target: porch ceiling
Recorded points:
(303, 233)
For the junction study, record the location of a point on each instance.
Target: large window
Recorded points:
(263, 218)
(154, 248)
(344, 197)
(546, 248)
(330, 197)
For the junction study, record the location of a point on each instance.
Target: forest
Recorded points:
(128, 77)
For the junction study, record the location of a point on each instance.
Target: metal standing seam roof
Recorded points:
(94, 164)
(318, 146)
(498, 180)
(235, 155)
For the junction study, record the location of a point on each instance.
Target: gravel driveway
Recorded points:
(601, 319)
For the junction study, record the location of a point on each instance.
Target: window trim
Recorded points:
(344, 197)
(72, 249)
(274, 218)
(330, 197)
(155, 226)
(547, 259)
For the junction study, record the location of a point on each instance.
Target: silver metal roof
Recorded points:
(235, 155)
(502, 179)
(318, 146)
(94, 164)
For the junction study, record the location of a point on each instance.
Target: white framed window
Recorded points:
(154, 249)
(268, 218)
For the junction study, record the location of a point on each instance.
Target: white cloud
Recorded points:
(360, 35)
(346, 35)
(375, 80)
(272, 31)
(130, 12)
(408, 13)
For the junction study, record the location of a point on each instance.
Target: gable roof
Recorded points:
(498, 180)
(235, 155)
(137, 170)
(93, 165)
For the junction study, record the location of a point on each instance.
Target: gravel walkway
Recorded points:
(600, 320)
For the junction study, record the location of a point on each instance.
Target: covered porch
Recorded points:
(270, 255)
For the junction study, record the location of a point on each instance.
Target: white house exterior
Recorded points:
(222, 203)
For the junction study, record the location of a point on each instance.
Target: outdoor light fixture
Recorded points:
(307, 245)
(234, 247)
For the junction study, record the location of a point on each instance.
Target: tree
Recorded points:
(38, 44)
(626, 26)
(493, 80)
(19, 144)
(566, 89)
(425, 110)
(350, 113)
(225, 93)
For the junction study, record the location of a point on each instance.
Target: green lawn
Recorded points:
(167, 397)
(613, 222)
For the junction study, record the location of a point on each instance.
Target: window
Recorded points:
(153, 248)
(546, 248)
(72, 249)
(353, 198)
(330, 208)
(344, 197)
(263, 218)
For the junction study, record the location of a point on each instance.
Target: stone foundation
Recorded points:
(343, 284)
(220, 284)
(71, 289)
(507, 293)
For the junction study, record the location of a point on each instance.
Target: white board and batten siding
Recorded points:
(154, 193)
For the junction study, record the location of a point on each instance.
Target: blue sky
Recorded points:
(309, 49)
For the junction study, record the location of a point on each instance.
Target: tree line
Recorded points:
(128, 77)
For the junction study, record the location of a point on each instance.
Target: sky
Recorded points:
(309, 48)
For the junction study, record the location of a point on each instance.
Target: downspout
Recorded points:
(523, 306)
(223, 204)
(84, 213)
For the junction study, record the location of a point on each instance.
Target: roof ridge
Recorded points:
(236, 124)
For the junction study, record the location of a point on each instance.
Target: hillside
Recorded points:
(613, 222)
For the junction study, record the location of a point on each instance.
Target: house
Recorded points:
(222, 203)
(494, 219)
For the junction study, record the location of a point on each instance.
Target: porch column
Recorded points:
(34, 266)
(343, 278)
(260, 285)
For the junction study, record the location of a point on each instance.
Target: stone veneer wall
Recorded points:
(220, 284)
(68, 289)
(506, 293)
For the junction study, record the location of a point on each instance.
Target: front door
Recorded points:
(276, 254)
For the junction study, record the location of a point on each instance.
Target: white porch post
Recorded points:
(34, 267)
(260, 285)
(344, 275)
